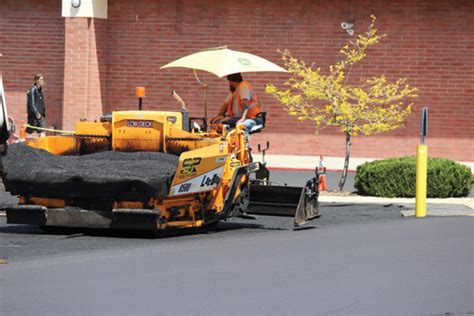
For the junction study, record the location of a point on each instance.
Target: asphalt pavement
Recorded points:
(393, 267)
(361, 257)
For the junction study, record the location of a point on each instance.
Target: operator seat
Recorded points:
(258, 128)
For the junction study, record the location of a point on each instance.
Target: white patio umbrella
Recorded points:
(222, 61)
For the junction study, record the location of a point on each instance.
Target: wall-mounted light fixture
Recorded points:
(75, 3)
(349, 27)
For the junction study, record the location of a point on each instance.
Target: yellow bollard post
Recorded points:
(421, 180)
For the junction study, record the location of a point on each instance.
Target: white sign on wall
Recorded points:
(84, 8)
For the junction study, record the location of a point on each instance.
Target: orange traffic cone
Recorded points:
(22, 132)
(322, 174)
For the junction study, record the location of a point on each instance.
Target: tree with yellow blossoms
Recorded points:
(372, 106)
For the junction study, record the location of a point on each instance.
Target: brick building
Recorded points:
(92, 66)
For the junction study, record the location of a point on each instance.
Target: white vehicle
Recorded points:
(4, 126)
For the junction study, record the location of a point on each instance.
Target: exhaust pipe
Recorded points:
(179, 99)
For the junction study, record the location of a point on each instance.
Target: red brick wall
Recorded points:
(429, 42)
(32, 41)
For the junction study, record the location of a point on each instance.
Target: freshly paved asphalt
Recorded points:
(398, 267)
(362, 259)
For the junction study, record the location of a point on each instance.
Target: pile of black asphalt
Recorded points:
(106, 175)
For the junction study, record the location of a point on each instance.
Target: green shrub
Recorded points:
(396, 177)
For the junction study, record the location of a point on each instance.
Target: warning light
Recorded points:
(140, 92)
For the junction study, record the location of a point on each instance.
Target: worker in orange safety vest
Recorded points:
(241, 107)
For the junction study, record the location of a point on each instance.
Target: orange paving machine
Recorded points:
(214, 178)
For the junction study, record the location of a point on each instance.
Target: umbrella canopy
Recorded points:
(222, 61)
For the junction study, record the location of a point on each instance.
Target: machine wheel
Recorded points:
(242, 203)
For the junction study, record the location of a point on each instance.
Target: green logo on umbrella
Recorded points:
(244, 62)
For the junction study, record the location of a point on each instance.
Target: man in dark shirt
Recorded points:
(35, 105)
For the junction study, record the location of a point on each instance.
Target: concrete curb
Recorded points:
(436, 207)
(410, 213)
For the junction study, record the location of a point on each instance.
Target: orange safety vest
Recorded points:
(253, 105)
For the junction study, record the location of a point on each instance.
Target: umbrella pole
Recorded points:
(204, 85)
(205, 107)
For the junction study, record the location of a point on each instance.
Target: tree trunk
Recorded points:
(340, 186)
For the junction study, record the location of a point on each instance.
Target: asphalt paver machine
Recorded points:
(145, 170)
